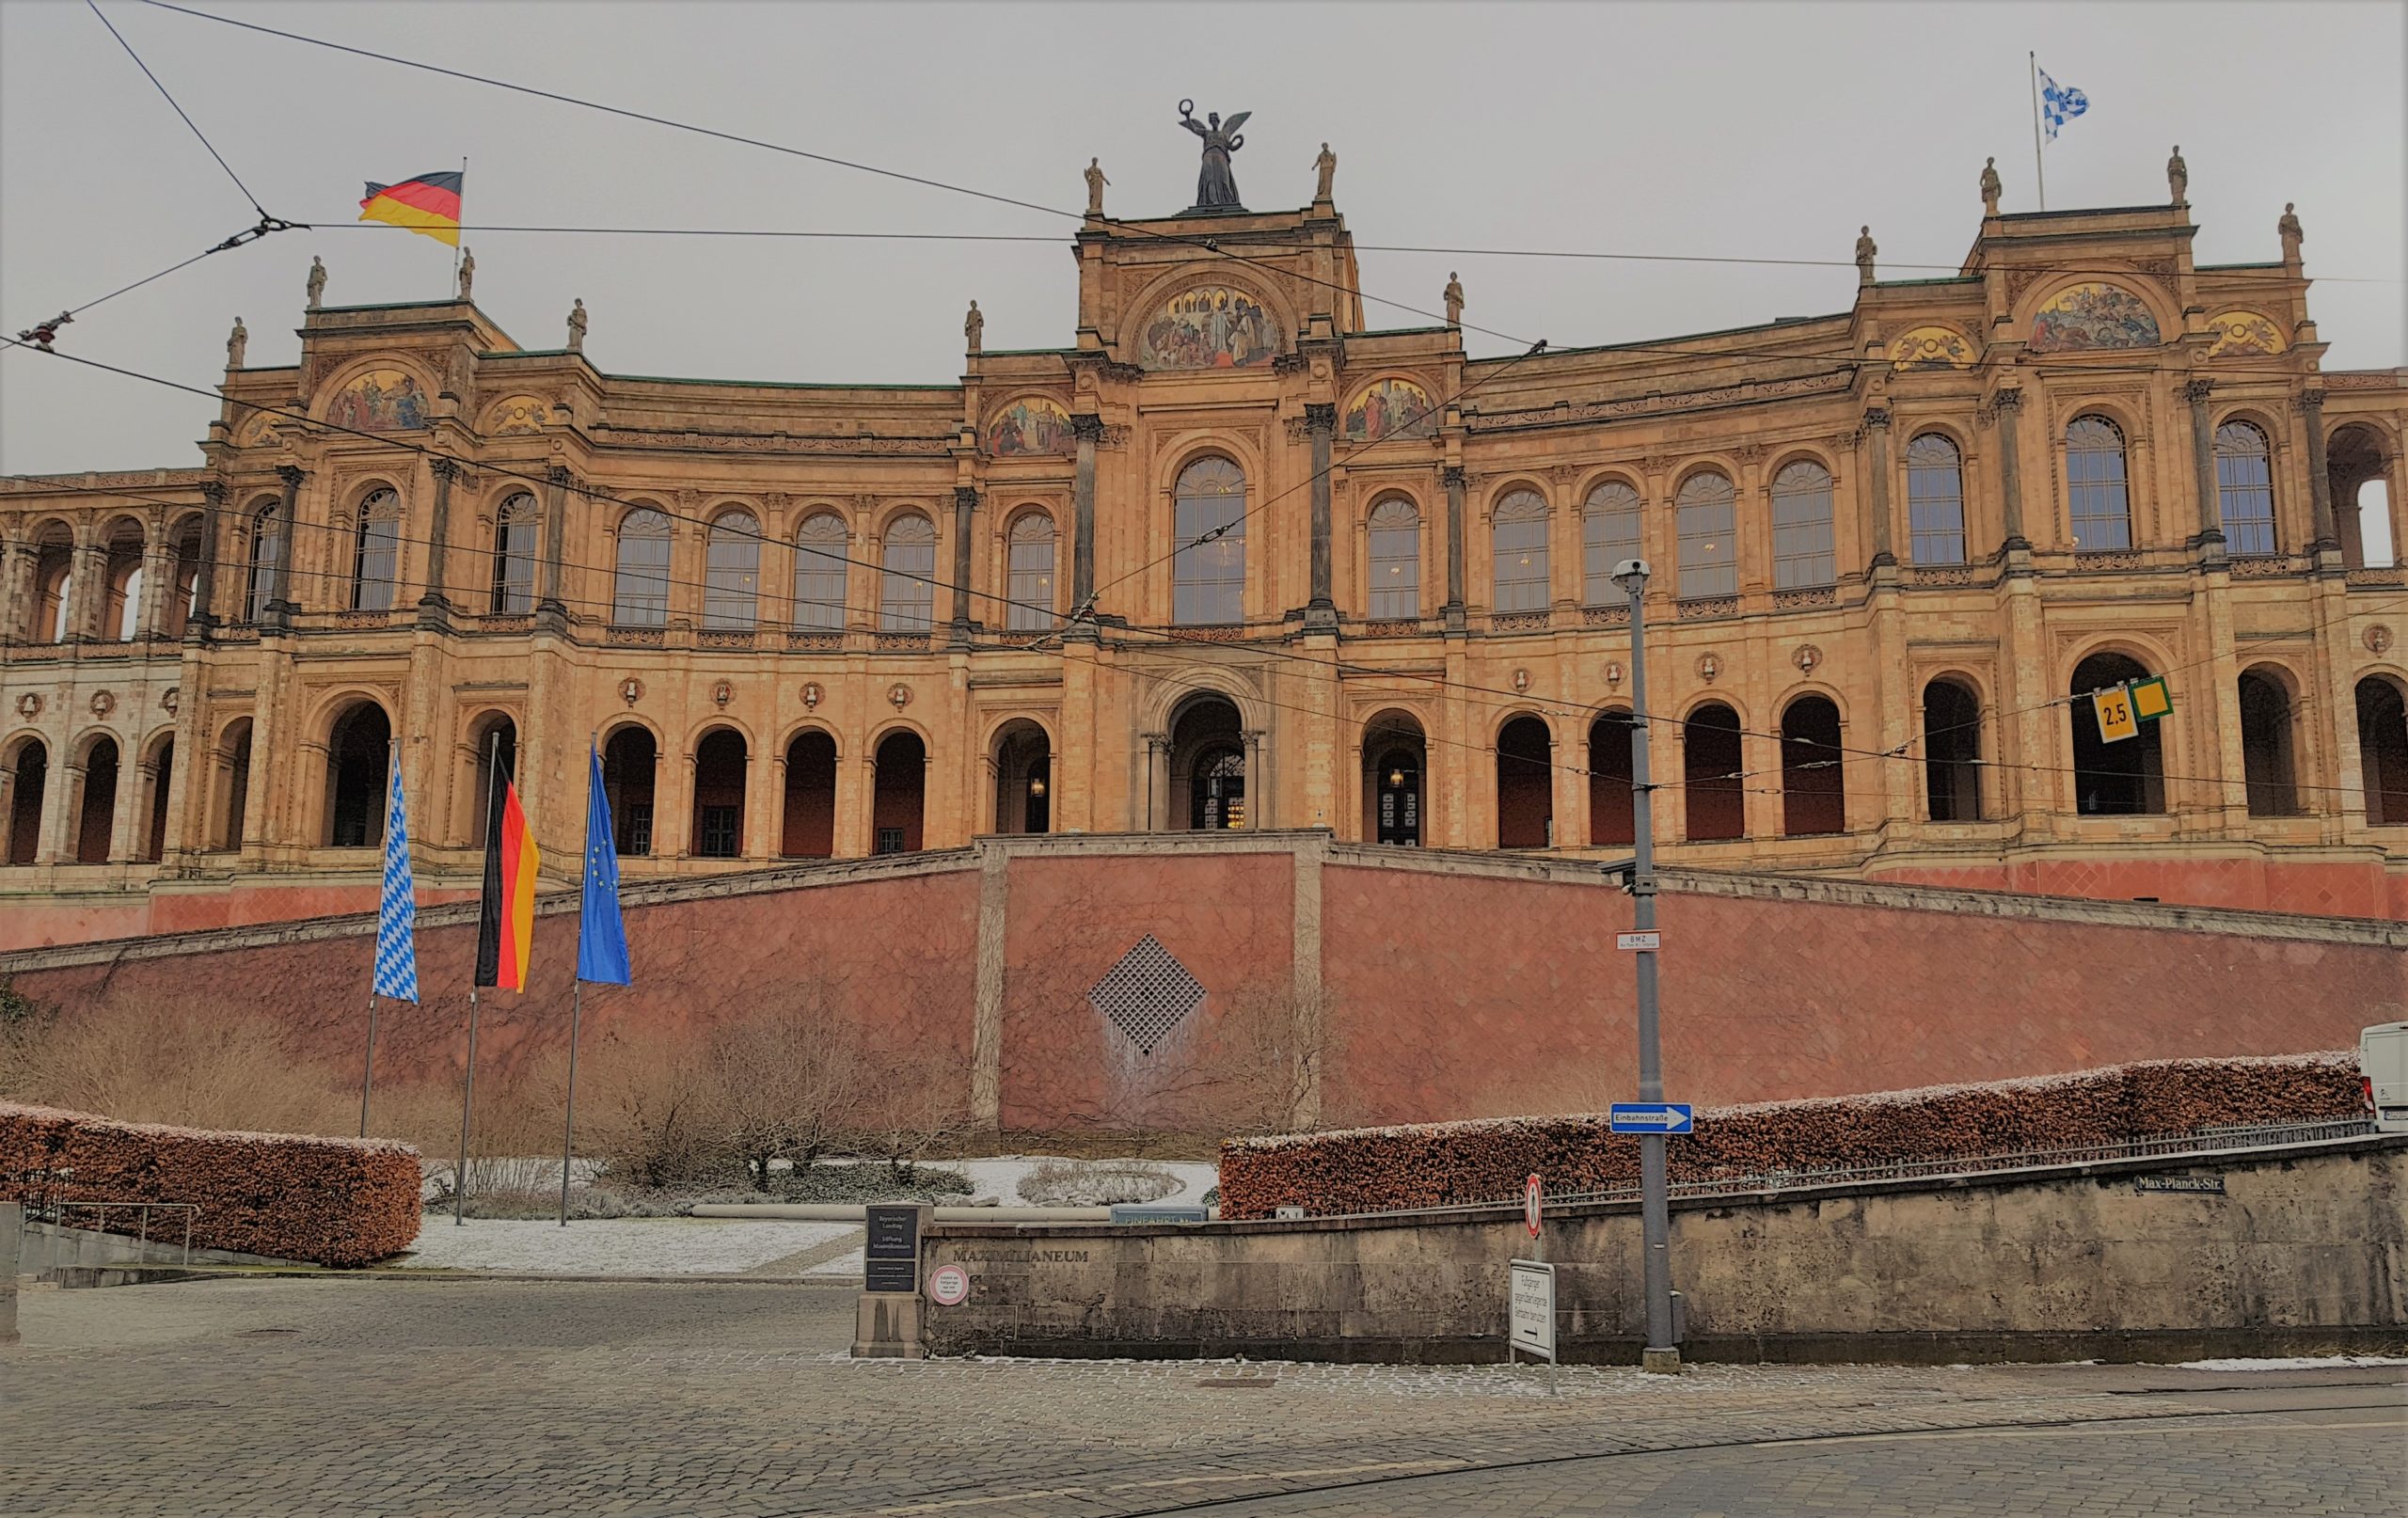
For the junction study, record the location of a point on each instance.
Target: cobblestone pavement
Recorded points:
(292, 1397)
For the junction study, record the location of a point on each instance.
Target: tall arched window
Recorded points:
(1706, 511)
(513, 557)
(1935, 500)
(1208, 522)
(907, 595)
(2101, 506)
(2244, 489)
(1029, 573)
(1609, 535)
(639, 589)
(819, 573)
(1518, 532)
(268, 554)
(732, 572)
(1952, 744)
(1801, 527)
(376, 560)
(1396, 561)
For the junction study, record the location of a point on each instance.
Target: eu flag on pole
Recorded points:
(397, 908)
(601, 933)
(2059, 103)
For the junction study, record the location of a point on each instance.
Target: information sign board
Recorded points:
(1530, 1308)
(1652, 1117)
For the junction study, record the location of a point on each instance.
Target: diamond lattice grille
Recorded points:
(1147, 995)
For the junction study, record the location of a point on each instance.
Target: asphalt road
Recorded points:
(403, 1398)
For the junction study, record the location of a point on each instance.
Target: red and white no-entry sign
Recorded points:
(1532, 1198)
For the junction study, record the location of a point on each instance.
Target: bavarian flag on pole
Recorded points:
(506, 923)
(429, 204)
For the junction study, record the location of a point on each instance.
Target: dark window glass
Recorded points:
(1707, 514)
(513, 557)
(819, 573)
(2244, 489)
(1934, 501)
(732, 573)
(377, 562)
(1609, 535)
(1801, 527)
(267, 555)
(639, 592)
(906, 592)
(718, 840)
(1207, 578)
(1518, 532)
(2101, 507)
(1396, 562)
(1030, 574)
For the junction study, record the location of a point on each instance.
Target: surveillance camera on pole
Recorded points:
(1663, 1353)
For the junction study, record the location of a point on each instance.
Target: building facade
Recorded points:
(1232, 558)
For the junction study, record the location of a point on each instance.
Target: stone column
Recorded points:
(1088, 429)
(1257, 776)
(2209, 541)
(88, 591)
(16, 592)
(158, 583)
(1877, 474)
(204, 594)
(1321, 425)
(1157, 781)
(136, 775)
(2320, 482)
(433, 606)
(1453, 476)
(2009, 405)
(965, 503)
(551, 613)
(281, 605)
(62, 805)
(764, 771)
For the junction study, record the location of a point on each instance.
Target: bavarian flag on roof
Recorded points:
(429, 204)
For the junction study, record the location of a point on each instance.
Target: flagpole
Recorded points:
(464, 216)
(468, 1096)
(2039, 172)
(577, 984)
(368, 1069)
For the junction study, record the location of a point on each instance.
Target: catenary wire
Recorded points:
(176, 107)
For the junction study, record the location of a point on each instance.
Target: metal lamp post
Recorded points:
(1662, 1354)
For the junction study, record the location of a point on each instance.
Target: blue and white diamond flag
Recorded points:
(397, 910)
(2059, 103)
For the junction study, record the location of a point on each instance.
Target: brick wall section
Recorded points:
(332, 1201)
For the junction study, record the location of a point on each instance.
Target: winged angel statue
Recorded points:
(1215, 186)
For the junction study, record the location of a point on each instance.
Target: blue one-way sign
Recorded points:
(1652, 1117)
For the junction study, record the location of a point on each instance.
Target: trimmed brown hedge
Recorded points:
(336, 1201)
(1443, 1164)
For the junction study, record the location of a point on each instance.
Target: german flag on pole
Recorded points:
(429, 204)
(506, 923)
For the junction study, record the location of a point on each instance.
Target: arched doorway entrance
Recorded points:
(1395, 761)
(29, 778)
(160, 772)
(357, 750)
(1525, 785)
(896, 809)
(230, 786)
(718, 794)
(96, 811)
(1952, 747)
(628, 759)
(1208, 769)
(2268, 769)
(1716, 808)
(810, 830)
(2354, 472)
(2122, 779)
(1609, 779)
(2383, 750)
(1813, 800)
(1024, 763)
(494, 733)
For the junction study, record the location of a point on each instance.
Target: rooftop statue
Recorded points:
(1096, 182)
(237, 343)
(1991, 188)
(317, 280)
(2178, 177)
(1327, 167)
(1216, 187)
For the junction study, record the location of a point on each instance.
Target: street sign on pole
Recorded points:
(1530, 1310)
(1652, 1117)
(1650, 940)
(1534, 1197)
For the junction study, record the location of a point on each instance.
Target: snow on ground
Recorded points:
(618, 1246)
(1000, 1177)
(2298, 1361)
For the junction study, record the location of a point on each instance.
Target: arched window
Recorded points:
(1396, 561)
(1706, 513)
(1952, 747)
(819, 573)
(732, 572)
(2244, 489)
(639, 589)
(267, 557)
(2267, 772)
(2383, 751)
(1801, 527)
(907, 595)
(376, 558)
(1029, 573)
(720, 761)
(628, 764)
(1525, 785)
(29, 778)
(1713, 775)
(1208, 522)
(513, 557)
(899, 796)
(1935, 500)
(96, 810)
(357, 750)
(810, 829)
(1610, 778)
(1812, 796)
(2122, 778)
(1519, 531)
(2101, 507)
(1609, 535)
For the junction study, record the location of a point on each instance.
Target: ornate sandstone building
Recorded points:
(1233, 558)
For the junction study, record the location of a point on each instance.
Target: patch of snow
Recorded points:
(1000, 1177)
(2293, 1362)
(842, 1265)
(615, 1246)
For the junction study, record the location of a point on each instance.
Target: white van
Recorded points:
(2383, 1059)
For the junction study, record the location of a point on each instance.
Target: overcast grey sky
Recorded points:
(1713, 128)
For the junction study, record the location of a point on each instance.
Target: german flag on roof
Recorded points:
(429, 204)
